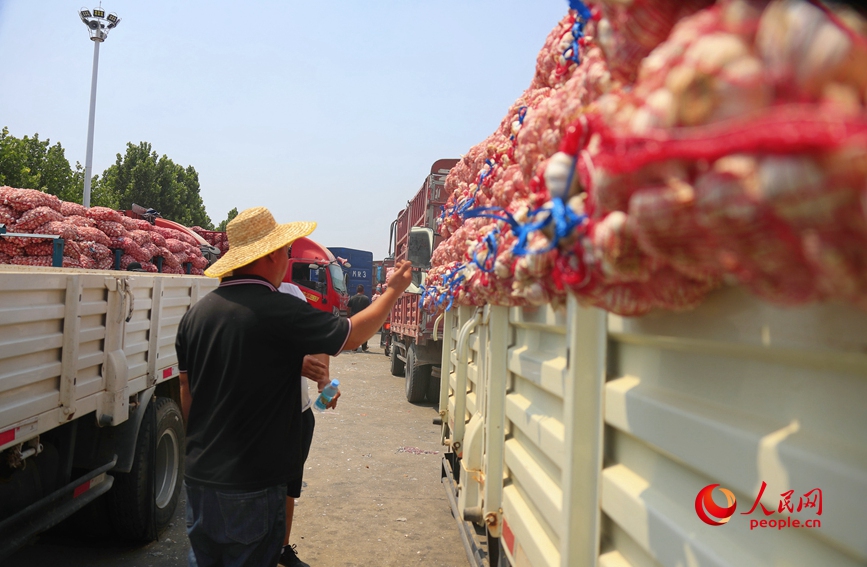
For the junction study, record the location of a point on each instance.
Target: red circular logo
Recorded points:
(708, 510)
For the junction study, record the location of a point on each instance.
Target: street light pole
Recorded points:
(98, 25)
(88, 162)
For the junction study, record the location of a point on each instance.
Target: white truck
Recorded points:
(89, 398)
(580, 438)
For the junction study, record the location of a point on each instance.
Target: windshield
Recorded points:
(337, 278)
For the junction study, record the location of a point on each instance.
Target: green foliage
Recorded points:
(30, 163)
(139, 176)
(142, 177)
(232, 214)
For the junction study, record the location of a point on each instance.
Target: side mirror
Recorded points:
(420, 247)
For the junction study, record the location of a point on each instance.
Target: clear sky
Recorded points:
(326, 111)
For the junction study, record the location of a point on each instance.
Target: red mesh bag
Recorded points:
(126, 260)
(26, 199)
(619, 256)
(78, 220)
(141, 237)
(169, 258)
(39, 248)
(151, 249)
(104, 214)
(129, 223)
(130, 248)
(143, 225)
(5, 258)
(148, 267)
(105, 263)
(8, 215)
(199, 262)
(187, 239)
(10, 248)
(68, 208)
(631, 30)
(157, 238)
(197, 271)
(32, 260)
(751, 242)
(674, 291)
(62, 229)
(87, 263)
(175, 245)
(86, 233)
(97, 250)
(36, 217)
(111, 229)
(74, 250)
(664, 222)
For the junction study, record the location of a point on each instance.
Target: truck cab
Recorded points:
(315, 270)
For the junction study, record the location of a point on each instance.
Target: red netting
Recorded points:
(39, 248)
(87, 233)
(8, 216)
(59, 228)
(111, 229)
(27, 199)
(104, 214)
(175, 245)
(68, 208)
(78, 220)
(31, 260)
(35, 217)
(631, 30)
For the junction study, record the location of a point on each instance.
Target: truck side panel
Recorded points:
(67, 349)
(735, 393)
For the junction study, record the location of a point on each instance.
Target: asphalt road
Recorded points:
(372, 494)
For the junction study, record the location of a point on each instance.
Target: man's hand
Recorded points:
(401, 277)
(315, 369)
(367, 322)
(333, 403)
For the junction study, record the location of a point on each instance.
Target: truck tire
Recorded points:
(433, 389)
(397, 365)
(143, 501)
(417, 377)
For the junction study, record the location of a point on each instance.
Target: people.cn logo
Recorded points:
(708, 510)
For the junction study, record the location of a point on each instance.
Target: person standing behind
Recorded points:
(358, 303)
(316, 368)
(240, 353)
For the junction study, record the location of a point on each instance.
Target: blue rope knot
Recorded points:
(489, 242)
(572, 53)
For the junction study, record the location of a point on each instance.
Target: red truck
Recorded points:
(413, 237)
(314, 269)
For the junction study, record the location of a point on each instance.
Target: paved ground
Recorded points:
(372, 497)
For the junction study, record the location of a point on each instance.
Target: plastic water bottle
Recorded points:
(326, 395)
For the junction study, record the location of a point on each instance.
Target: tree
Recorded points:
(232, 214)
(143, 178)
(31, 163)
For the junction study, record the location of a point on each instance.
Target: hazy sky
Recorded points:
(326, 111)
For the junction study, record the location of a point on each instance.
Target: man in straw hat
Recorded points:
(240, 352)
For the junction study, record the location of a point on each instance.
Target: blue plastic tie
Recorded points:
(581, 8)
(573, 52)
(490, 243)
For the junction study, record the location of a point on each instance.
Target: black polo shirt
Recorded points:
(242, 346)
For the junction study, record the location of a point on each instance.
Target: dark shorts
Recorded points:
(308, 422)
(233, 528)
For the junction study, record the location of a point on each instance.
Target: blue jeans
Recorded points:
(232, 528)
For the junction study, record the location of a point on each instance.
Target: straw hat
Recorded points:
(253, 234)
